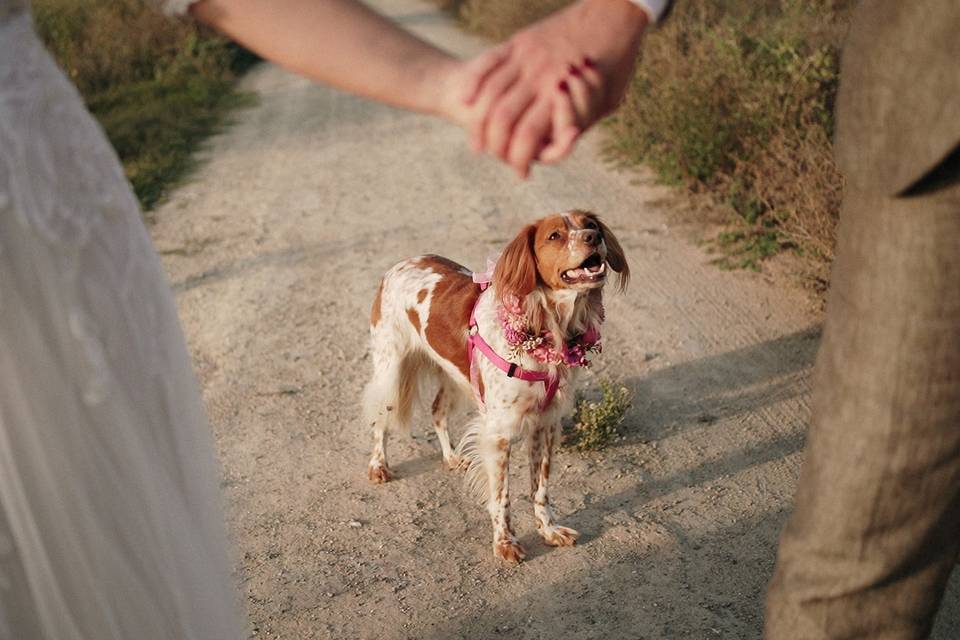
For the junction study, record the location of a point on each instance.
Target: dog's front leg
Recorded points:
(541, 442)
(496, 461)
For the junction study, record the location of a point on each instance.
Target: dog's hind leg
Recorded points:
(379, 403)
(443, 404)
(387, 399)
(540, 442)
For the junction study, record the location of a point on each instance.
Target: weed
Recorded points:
(597, 423)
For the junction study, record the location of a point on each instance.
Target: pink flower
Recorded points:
(541, 347)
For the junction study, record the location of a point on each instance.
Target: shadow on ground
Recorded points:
(657, 577)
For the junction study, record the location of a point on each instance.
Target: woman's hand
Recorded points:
(556, 79)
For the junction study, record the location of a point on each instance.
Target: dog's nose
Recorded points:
(590, 237)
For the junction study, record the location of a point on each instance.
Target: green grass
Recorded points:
(158, 86)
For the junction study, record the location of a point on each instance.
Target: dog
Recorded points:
(493, 341)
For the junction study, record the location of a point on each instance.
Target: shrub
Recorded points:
(732, 99)
(597, 423)
(739, 105)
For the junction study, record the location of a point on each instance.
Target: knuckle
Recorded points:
(522, 141)
(502, 115)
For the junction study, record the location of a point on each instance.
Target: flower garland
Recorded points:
(541, 347)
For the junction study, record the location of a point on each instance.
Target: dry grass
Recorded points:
(497, 19)
(732, 99)
(158, 86)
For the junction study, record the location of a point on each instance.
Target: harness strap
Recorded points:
(475, 342)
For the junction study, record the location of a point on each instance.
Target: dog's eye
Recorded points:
(592, 225)
(554, 236)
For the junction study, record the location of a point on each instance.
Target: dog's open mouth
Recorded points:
(593, 269)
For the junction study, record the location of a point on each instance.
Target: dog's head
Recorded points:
(566, 251)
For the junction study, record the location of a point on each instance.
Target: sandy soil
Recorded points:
(275, 250)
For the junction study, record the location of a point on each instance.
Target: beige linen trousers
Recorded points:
(876, 526)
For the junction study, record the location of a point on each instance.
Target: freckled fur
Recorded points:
(419, 329)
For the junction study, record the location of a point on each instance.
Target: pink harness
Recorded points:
(475, 342)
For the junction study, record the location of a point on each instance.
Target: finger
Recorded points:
(528, 136)
(564, 124)
(560, 147)
(565, 129)
(591, 73)
(564, 112)
(581, 99)
(480, 68)
(598, 85)
(493, 87)
(503, 117)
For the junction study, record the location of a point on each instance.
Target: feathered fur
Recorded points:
(419, 326)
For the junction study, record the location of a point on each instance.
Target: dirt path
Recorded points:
(275, 250)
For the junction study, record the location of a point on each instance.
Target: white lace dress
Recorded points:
(110, 516)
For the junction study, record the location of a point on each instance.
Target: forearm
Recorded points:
(338, 42)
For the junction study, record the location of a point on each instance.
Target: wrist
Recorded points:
(656, 10)
(628, 14)
(442, 95)
(430, 85)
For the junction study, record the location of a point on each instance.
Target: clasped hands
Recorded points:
(530, 98)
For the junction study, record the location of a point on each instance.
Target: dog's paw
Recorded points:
(379, 473)
(509, 550)
(560, 536)
(456, 463)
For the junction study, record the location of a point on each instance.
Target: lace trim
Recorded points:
(61, 176)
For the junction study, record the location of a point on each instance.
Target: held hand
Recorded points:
(456, 79)
(553, 80)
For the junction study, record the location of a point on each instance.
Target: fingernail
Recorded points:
(563, 86)
(573, 70)
(588, 62)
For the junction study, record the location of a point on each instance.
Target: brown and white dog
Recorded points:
(551, 275)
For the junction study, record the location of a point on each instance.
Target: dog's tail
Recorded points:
(394, 390)
(480, 450)
(471, 451)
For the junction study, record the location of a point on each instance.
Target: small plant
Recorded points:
(596, 424)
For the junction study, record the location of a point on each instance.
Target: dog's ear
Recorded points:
(615, 257)
(516, 270)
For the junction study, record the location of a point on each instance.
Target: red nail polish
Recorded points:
(573, 70)
(588, 62)
(563, 86)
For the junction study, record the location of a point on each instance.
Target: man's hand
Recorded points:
(553, 80)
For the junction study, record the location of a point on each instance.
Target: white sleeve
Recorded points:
(653, 8)
(173, 7)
